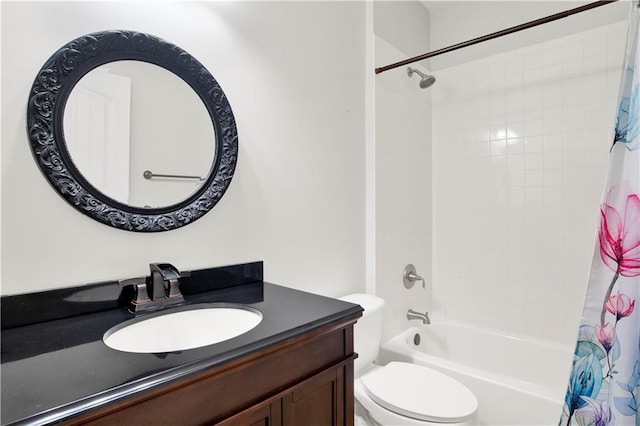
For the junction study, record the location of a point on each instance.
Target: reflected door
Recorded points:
(97, 131)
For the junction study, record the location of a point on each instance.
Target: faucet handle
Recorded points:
(139, 285)
(409, 277)
(174, 290)
(167, 270)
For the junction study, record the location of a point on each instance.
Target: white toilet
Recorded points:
(400, 393)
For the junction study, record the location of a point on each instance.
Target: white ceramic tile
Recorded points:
(498, 131)
(514, 64)
(515, 129)
(615, 58)
(574, 138)
(515, 195)
(533, 144)
(574, 158)
(596, 82)
(574, 96)
(595, 44)
(533, 127)
(553, 107)
(597, 120)
(497, 69)
(551, 56)
(552, 72)
(515, 162)
(515, 146)
(516, 178)
(498, 147)
(532, 77)
(534, 178)
(533, 195)
(552, 91)
(534, 161)
(573, 176)
(553, 195)
(515, 115)
(573, 93)
(480, 133)
(574, 122)
(554, 124)
(480, 73)
(553, 142)
(553, 177)
(481, 163)
(498, 112)
(532, 60)
(513, 82)
(613, 80)
(498, 163)
(533, 112)
(572, 51)
(544, 116)
(596, 157)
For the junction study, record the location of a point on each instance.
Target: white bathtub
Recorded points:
(517, 381)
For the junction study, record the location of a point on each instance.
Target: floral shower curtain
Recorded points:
(604, 384)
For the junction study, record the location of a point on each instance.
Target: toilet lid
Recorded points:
(420, 392)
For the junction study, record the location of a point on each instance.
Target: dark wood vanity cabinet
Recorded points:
(305, 380)
(319, 400)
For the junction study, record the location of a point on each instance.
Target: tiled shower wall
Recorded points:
(520, 151)
(403, 183)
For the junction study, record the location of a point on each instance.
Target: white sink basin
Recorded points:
(186, 328)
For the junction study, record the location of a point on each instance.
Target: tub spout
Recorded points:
(411, 315)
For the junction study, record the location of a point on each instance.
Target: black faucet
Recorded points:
(160, 290)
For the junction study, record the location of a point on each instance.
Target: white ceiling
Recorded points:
(453, 21)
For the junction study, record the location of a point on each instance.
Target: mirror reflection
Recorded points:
(125, 118)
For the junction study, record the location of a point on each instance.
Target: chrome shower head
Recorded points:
(425, 80)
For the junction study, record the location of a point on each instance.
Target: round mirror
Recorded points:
(132, 131)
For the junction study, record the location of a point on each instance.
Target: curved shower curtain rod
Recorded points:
(497, 34)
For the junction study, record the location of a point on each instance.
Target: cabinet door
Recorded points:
(265, 414)
(317, 402)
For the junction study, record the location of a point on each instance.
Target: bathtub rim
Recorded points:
(569, 346)
(399, 349)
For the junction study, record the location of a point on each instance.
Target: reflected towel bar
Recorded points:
(150, 175)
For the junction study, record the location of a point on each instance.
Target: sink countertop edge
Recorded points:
(68, 411)
(152, 380)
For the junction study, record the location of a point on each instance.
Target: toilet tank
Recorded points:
(368, 329)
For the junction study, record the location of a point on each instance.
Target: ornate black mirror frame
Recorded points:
(45, 112)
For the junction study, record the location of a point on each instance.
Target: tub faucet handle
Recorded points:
(409, 276)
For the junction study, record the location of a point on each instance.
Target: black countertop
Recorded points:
(57, 368)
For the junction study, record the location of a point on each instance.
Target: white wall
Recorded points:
(521, 145)
(293, 74)
(456, 21)
(403, 167)
(405, 26)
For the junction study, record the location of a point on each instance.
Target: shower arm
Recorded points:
(410, 72)
(496, 34)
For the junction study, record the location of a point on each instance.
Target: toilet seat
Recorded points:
(420, 393)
